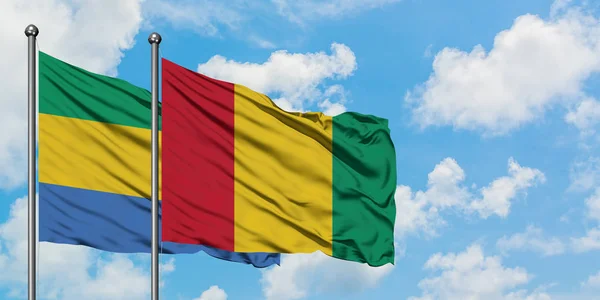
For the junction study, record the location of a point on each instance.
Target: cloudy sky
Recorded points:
(493, 106)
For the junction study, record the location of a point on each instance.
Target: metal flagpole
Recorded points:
(31, 32)
(154, 39)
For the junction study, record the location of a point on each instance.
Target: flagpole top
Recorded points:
(32, 30)
(154, 38)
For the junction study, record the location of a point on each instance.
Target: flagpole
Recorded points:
(31, 32)
(154, 39)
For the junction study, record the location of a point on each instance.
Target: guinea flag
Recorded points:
(241, 174)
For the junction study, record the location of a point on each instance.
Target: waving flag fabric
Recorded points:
(94, 164)
(241, 174)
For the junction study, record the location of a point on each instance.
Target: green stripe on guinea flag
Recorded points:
(364, 183)
(70, 91)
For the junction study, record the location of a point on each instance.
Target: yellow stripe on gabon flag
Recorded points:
(69, 144)
(241, 174)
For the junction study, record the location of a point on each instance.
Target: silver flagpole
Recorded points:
(154, 39)
(31, 32)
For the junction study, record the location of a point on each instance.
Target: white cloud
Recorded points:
(559, 6)
(261, 42)
(420, 211)
(593, 282)
(89, 276)
(201, 16)
(427, 53)
(70, 31)
(586, 116)
(302, 274)
(532, 66)
(589, 242)
(496, 197)
(524, 295)
(213, 293)
(297, 78)
(301, 11)
(585, 174)
(164, 268)
(486, 276)
(167, 267)
(117, 278)
(332, 109)
(592, 204)
(532, 239)
(335, 98)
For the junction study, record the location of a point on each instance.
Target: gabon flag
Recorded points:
(241, 174)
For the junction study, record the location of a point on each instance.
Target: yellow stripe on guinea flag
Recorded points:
(283, 178)
(95, 156)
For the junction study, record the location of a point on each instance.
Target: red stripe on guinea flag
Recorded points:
(197, 158)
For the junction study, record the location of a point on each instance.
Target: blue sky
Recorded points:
(493, 107)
